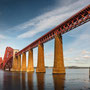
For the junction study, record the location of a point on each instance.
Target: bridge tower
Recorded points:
(15, 59)
(58, 55)
(40, 64)
(30, 61)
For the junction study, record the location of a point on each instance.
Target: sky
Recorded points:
(23, 21)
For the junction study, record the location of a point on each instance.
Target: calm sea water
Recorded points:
(75, 79)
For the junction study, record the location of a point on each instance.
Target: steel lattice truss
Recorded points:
(76, 20)
(8, 57)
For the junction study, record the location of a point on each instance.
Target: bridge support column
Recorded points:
(14, 65)
(30, 61)
(23, 67)
(15, 59)
(19, 63)
(40, 64)
(58, 56)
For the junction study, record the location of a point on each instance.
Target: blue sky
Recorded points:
(23, 21)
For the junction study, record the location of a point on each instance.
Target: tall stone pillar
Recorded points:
(58, 56)
(15, 59)
(19, 63)
(30, 61)
(23, 66)
(40, 64)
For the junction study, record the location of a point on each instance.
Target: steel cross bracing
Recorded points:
(8, 57)
(74, 21)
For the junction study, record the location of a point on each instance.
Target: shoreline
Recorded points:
(69, 67)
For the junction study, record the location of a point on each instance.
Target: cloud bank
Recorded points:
(49, 19)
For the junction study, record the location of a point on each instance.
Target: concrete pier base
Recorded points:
(30, 61)
(40, 64)
(58, 56)
(23, 66)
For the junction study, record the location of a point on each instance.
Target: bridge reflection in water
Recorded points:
(33, 81)
(59, 82)
(75, 79)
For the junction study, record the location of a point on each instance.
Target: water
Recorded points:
(75, 79)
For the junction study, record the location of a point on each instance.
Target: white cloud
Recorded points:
(85, 52)
(49, 19)
(78, 51)
(86, 56)
(2, 37)
(79, 59)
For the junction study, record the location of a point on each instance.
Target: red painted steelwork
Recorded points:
(76, 20)
(0, 61)
(7, 58)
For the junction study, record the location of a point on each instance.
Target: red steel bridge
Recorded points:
(12, 61)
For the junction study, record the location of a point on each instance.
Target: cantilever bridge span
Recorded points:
(13, 61)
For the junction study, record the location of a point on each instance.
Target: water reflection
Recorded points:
(40, 81)
(15, 78)
(45, 81)
(24, 81)
(59, 81)
(30, 80)
(11, 81)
